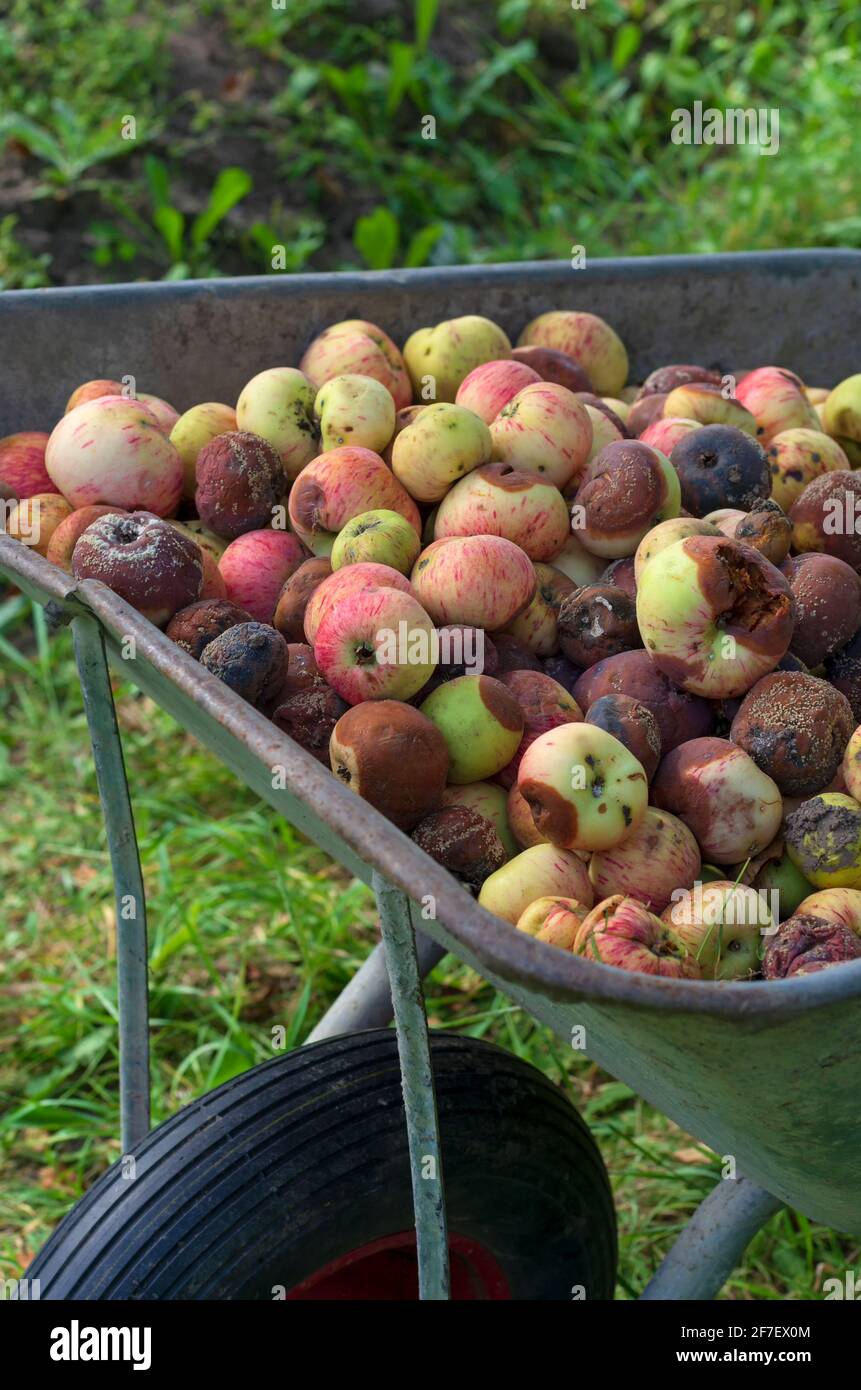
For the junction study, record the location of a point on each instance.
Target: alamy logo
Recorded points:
(843, 1288)
(735, 126)
(20, 1290)
(76, 1343)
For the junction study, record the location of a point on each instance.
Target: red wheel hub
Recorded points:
(386, 1270)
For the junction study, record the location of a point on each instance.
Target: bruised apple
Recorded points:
(585, 789)
(622, 932)
(714, 615)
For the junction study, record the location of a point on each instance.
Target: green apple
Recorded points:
(540, 872)
(481, 723)
(379, 537)
(355, 410)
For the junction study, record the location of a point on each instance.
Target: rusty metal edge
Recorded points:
(380, 845)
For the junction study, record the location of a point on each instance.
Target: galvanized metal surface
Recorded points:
(713, 1242)
(130, 899)
(366, 1002)
(417, 1083)
(767, 1073)
(201, 341)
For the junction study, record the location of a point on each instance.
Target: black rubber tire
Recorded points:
(303, 1159)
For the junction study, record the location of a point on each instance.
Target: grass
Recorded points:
(250, 927)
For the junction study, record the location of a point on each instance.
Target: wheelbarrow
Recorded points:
(765, 1074)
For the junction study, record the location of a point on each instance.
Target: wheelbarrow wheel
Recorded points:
(292, 1181)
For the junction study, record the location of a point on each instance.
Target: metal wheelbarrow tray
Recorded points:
(767, 1073)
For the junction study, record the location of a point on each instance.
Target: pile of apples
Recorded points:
(596, 647)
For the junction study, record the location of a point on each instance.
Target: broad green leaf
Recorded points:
(171, 223)
(426, 15)
(401, 63)
(158, 181)
(626, 44)
(377, 238)
(422, 244)
(229, 188)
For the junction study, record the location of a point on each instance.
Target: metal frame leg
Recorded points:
(129, 897)
(418, 1086)
(713, 1242)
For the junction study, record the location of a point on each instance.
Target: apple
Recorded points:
(373, 749)
(842, 410)
(93, 391)
(538, 872)
(278, 404)
(255, 568)
(440, 359)
(785, 884)
(841, 905)
(488, 800)
(497, 500)
(664, 434)
(340, 485)
(523, 827)
(544, 704)
(731, 806)
(823, 840)
(355, 410)
(633, 724)
(796, 457)
(604, 432)
(626, 490)
(482, 581)
(588, 339)
(714, 615)
(544, 429)
(22, 465)
(722, 926)
(720, 466)
(679, 716)
(442, 444)
(623, 932)
(666, 533)
(481, 723)
(166, 414)
(578, 563)
(357, 347)
(806, 945)
(851, 765)
(553, 920)
(776, 399)
(112, 450)
(195, 429)
(350, 579)
(34, 520)
(554, 366)
(375, 644)
(659, 857)
(492, 385)
(796, 728)
(597, 622)
(702, 401)
(538, 625)
(381, 537)
(585, 789)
